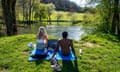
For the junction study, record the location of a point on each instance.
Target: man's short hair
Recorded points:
(64, 34)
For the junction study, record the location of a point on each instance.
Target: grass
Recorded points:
(67, 15)
(101, 56)
(61, 14)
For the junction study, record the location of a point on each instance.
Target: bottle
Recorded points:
(80, 52)
(30, 44)
(34, 45)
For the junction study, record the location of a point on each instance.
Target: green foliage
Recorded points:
(105, 57)
(50, 8)
(40, 11)
(66, 15)
(91, 22)
(105, 16)
(108, 11)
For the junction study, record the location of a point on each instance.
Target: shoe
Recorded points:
(57, 68)
(55, 65)
(53, 62)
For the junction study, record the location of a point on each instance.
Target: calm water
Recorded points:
(74, 32)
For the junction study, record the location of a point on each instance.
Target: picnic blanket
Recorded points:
(59, 56)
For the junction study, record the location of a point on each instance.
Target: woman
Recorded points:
(41, 47)
(42, 39)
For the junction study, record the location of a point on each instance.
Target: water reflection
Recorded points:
(74, 32)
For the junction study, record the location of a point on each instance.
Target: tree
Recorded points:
(50, 8)
(73, 18)
(58, 17)
(9, 15)
(31, 3)
(40, 11)
(109, 15)
(115, 20)
(26, 7)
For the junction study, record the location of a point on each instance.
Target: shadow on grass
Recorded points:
(70, 66)
(38, 62)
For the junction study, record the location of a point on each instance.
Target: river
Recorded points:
(74, 32)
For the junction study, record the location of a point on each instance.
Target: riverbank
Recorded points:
(100, 54)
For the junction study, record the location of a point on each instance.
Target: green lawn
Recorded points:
(67, 15)
(101, 53)
(61, 14)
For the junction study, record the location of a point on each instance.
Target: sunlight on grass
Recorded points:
(14, 54)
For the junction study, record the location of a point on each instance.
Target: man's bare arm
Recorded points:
(72, 48)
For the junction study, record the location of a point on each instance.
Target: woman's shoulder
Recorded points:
(45, 35)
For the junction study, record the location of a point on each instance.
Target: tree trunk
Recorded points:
(29, 17)
(119, 24)
(8, 7)
(40, 19)
(23, 6)
(49, 17)
(32, 9)
(115, 22)
(14, 16)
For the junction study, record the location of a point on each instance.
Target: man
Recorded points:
(65, 45)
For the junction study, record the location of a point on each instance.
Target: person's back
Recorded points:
(65, 45)
(40, 44)
(41, 39)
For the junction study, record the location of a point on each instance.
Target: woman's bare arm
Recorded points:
(55, 50)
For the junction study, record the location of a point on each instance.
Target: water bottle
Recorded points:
(30, 44)
(80, 52)
(34, 45)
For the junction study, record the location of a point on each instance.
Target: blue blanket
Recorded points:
(59, 56)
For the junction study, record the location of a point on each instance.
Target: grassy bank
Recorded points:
(61, 15)
(100, 54)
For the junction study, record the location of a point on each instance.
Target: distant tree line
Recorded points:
(63, 5)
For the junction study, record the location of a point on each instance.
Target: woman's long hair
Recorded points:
(41, 32)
